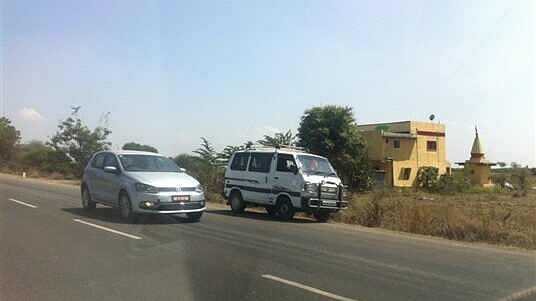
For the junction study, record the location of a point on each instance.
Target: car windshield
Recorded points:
(315, 165)
(148, 163)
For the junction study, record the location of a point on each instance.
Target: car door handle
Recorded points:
(276, 178)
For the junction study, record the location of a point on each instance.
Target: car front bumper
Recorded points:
(162, 203)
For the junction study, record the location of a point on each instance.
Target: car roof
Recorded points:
(131, 152)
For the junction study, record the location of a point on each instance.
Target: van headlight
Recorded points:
(310, 188)
(140, 187)
(199, 188)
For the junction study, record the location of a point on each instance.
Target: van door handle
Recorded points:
(276, 178)
(266, 179)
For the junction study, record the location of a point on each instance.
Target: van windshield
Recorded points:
(315, 165)
(148, 163)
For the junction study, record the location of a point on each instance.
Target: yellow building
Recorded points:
(397, 150)
(477, 167)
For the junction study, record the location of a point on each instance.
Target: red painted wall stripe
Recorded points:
(433, 134)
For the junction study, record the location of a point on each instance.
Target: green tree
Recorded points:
(9, 141)
(36, 155)
(207, 153)
(427, 177)
(208, 171)
(78, 142)
(502, 164)
(139, 147)
(278, 139)
(331, 131)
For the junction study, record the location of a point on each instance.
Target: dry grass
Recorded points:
(489, 216)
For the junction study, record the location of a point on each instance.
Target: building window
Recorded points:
(406, 174)
(396, 143)
(431, 146)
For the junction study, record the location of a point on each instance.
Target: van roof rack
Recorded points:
(276, 148)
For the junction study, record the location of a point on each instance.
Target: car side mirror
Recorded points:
(294, 169)
(182, 169)
(111, 169)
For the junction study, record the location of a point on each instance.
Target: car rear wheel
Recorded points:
(285, 211)
(194, 216)
(125, 207)
(87, 203)
(271, 209)
(237, 203)
(322, 215)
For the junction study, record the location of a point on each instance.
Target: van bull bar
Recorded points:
(330, 197)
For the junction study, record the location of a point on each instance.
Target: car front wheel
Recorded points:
(125, 207)
(87, 203)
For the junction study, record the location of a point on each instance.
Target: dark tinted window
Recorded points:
(98, 161)
(240, 161)
(284, 162)
(110, 160)
(260, 162)
(431, 146)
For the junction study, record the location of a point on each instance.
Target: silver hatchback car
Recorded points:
(140, 182)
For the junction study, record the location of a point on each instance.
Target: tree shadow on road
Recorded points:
(112, 215)
(261, 216)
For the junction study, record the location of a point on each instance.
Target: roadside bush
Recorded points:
(451, 184)
(427, 177)
(521, 177)
(499, 179)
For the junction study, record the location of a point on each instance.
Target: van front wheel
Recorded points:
(285, 211)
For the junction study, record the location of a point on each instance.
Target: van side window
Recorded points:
(284, 162)
(98, 161)
(240, 161)
(260, 162)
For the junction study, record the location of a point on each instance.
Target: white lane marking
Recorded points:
(23, 203)
(308, 288)
(107, 229)
(521, 294)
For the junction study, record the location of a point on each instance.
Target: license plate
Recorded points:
(180, 198)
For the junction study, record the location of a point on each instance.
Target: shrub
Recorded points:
(451, 184)
(521, 177)
(427, 177)
(499, 179)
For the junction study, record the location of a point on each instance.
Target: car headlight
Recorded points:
(311, 188)
(146, 188)
(199, 188)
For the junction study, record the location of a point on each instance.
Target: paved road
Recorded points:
(55, 251)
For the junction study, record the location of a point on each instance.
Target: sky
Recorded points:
(170, 72)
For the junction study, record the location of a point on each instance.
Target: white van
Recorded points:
(284, 181)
